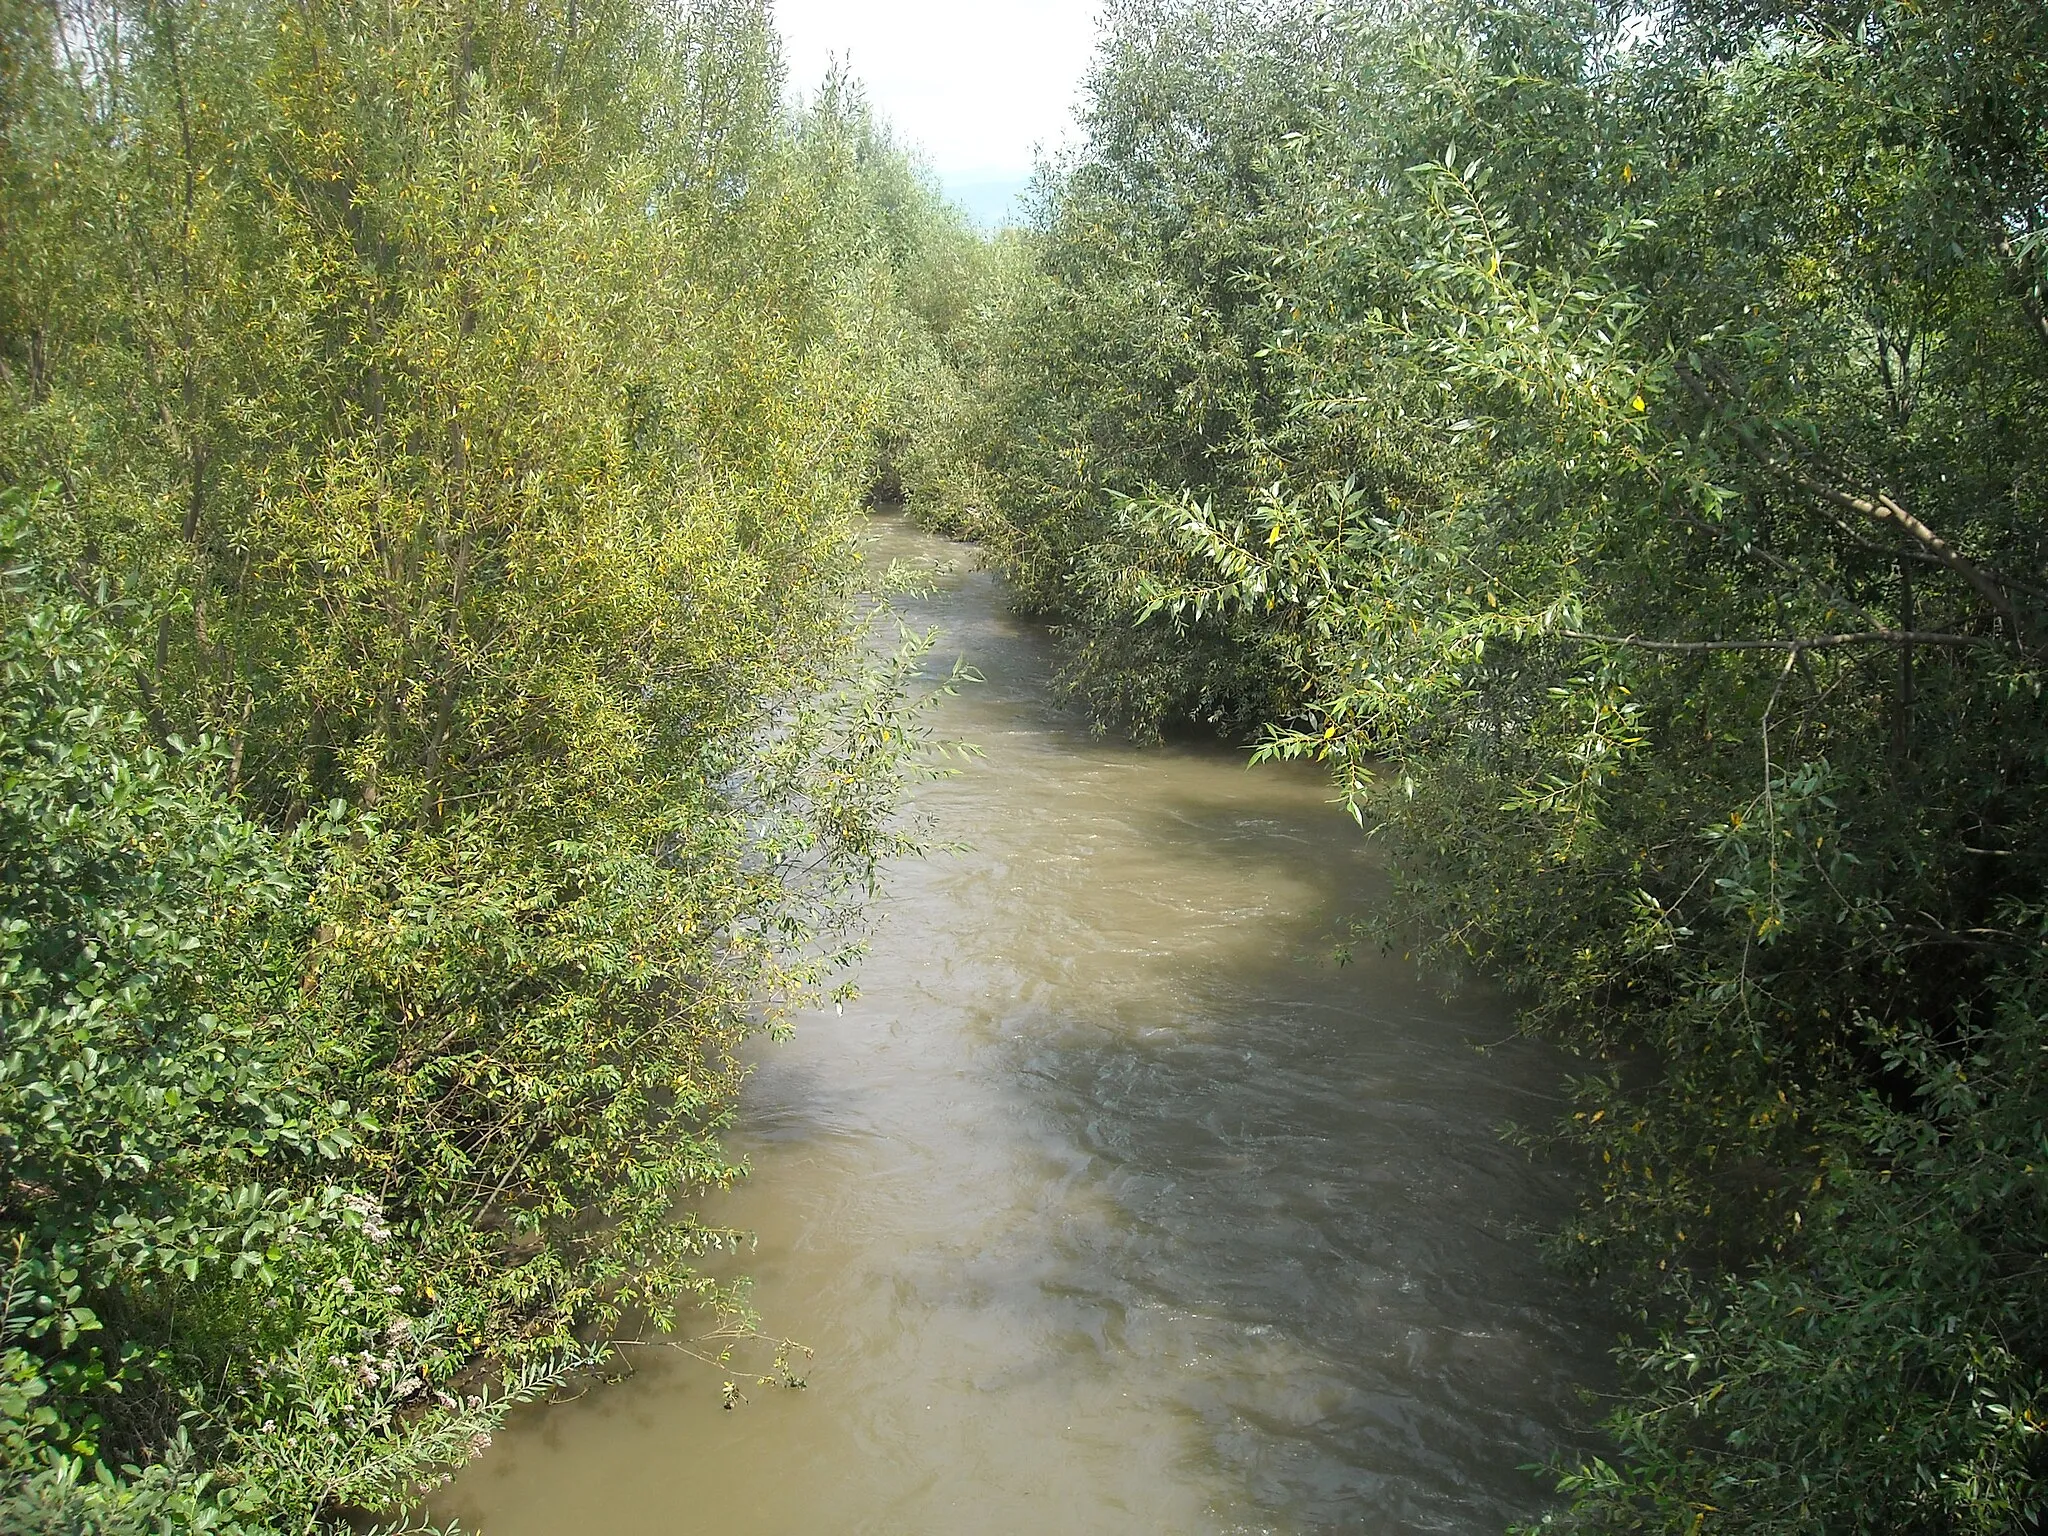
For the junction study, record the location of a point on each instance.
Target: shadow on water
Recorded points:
(1113, 1205)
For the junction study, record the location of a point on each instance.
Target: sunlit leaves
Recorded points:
(471, 404)
(1630, 491)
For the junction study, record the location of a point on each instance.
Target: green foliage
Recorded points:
(1890, 1367)
(168, 1140)
(941, 285)
(140, 1083)
(437, 726)
(1609, 440)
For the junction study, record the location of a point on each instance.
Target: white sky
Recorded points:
(974, 83)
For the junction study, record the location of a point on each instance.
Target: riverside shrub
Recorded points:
(1609, 439)
(439, 727)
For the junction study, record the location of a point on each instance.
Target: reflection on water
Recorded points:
(1111, 1206)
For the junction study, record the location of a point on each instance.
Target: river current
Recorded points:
(1113, 1204)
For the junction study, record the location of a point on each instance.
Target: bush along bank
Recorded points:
(1609, 439)
(437, 727)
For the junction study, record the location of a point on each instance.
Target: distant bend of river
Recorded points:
(1113, 1205)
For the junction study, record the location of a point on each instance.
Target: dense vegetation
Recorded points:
(1611, 437)
(435, 726)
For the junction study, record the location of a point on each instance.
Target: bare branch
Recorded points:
(1882, 508)
(1879, 507)
(1794, 643)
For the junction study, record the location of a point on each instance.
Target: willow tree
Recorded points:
(1638, 509)
(453, 418)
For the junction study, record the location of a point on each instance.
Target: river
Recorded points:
(1113, 1204)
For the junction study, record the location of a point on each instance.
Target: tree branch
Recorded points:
(1882, 508)
(1879, 507)
(1795, 644)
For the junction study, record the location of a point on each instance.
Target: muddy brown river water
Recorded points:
(1113, 1205)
